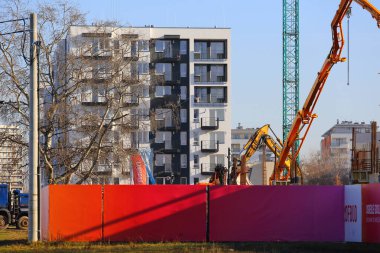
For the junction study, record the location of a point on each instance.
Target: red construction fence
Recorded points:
(201, 213)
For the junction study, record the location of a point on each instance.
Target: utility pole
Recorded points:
(33, 134)
(228, 165)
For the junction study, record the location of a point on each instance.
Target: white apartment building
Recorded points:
(181, 107)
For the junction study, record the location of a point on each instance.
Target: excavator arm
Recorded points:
(305, 116)
(262, 137)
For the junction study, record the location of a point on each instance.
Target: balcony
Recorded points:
(170, 147)
(130, 101)
(210, 123)
(210, 101)
(131, 123)
(166, 56)
(103, 169)
(164, 169)
(212, 56)
(166, 125)
(210, 146)
(208, 168)
(198, 79)
(130, 145)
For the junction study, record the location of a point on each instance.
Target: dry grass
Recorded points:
(14, 241)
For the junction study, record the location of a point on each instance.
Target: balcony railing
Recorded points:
(103, 169)
(164, 125)
(164, 168)
(171, 56)
(210, 146)
(211, 123)
(210, 55)
(130, 100)
(209, 168)
(209, 80)
(210, 100)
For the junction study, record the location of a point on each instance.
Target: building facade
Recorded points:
(11, 155)
(179, 108)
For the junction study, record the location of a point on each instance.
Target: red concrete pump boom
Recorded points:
(305, 116)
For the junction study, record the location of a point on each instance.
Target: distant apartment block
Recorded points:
(11, 155)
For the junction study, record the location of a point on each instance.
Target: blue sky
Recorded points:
(256, 56)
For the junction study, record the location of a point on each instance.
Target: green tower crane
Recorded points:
(290, 68)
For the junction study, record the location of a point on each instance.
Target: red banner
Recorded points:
(139, 170)
(371, 213)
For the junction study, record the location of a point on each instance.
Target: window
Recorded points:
(200, 73)
(100, 44)
(183, 115)
(163, 91)
(86, 95)
(159, 46)
(144, 114)
(183, 70)
(218, 136)
(183, 161)
(143, 91)
(162, 137)
(196, 115)
(164, 46)
(217, 50)
(216, 159)
(143, 68)
(201, 95)
(217, 95)
(164, 69)
(217, 114)
(161, 159)
(143, 45)
(101, 95)
(200, 50)
(116, 44)
(183, 92)
(143, 137)
(196, 139)
(134, 48)
(183, 47)
(217, 73)
(235, 147)
(160, 114)
(183, 138)
(196, 161)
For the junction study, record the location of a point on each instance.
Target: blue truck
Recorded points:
(13, 208)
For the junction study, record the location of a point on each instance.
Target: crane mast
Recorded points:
(290, 61)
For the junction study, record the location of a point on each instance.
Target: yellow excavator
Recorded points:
(305, 116)
(259, 138)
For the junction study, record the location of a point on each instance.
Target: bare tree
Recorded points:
(325, 171)
(87, 84)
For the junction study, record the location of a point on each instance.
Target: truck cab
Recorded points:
(13, 208)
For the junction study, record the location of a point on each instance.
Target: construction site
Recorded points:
(134, 144)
